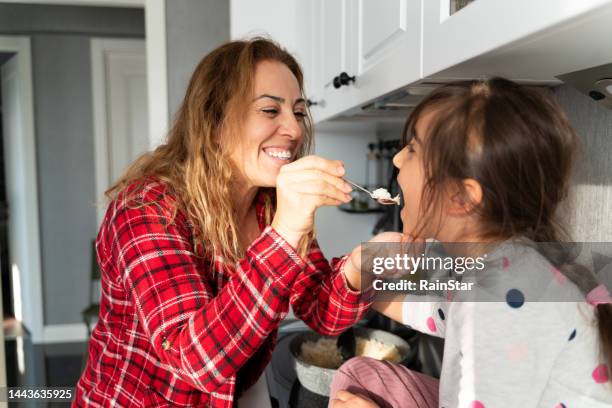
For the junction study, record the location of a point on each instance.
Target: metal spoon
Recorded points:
(347, 344)
(383, 201)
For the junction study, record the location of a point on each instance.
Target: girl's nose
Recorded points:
(397, 159)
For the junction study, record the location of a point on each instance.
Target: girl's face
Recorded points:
(273, 131)
(411, 176)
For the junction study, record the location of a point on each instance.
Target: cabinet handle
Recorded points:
(310, 102)
(343, 79)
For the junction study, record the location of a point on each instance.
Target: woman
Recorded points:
(208, 239)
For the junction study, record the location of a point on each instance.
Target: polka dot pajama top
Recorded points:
(511, 349)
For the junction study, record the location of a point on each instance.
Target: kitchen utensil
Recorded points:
(383, 201)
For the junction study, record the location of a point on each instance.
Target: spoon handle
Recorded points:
(358, 186)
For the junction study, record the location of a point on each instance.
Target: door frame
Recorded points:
(34, 322)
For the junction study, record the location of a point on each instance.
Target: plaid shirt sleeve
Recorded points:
(321, 297)
(202, 338)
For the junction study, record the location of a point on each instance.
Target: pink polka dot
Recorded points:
(517, 352)
(476, 404)
(558, 276)
(431, 324)
(505, 262)
(600, 374)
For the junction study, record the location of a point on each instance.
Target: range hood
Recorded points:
(394, 106)
(595, 82)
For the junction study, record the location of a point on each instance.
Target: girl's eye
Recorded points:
(300, 115)
(410, 148)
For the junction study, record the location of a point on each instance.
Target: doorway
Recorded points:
(19, 228)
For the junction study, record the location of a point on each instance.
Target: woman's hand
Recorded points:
(408, 244)
(345, 399)
(301, 188)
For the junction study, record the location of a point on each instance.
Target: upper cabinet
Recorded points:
(358, 50)
(354, 52)
(522, 39)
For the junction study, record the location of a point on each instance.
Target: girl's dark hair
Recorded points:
(517, 142)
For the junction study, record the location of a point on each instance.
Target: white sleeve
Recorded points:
(425, 314)
(507, 353)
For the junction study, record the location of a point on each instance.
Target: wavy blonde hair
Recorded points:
(194, 165)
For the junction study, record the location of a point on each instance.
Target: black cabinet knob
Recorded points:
(343, 79)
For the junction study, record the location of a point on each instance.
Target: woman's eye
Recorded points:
(270, 111)
(300, 115)
(410, 148)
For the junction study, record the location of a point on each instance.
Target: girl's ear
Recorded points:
(465, 201)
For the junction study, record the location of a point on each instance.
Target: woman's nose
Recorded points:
(290, 126)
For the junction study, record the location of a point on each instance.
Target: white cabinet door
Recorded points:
(379, 43)
(485, 26)
(330, 28)
(388, 46)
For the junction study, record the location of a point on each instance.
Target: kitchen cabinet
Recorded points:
(376, 44)
(410, 46)
(522, 39)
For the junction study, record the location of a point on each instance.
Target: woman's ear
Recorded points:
(467, 199)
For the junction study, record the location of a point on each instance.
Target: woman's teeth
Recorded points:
(284, 155)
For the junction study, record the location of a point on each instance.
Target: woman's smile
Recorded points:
(280, 154)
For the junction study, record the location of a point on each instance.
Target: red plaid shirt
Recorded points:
(179, 330)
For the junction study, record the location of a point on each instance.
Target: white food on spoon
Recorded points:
(381, 194)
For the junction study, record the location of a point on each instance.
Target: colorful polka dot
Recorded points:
(431, 324)
(476, 404)
(572, 336)
(515, 298)
(518, 352)
(441, 314)
(558, 275)
(600, 374)
(505, 262)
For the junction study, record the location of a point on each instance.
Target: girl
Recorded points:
(208, 239)
(487, 163)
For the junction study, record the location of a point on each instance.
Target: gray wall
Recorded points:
(194, 28)
(64, 139)
(589, 207)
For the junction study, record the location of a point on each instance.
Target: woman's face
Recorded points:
(411, 176)
(273, 131)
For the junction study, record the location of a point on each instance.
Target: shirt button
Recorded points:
(166, 345)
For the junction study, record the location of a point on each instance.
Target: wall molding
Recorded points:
(95, 3)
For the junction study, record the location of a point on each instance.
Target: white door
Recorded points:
(119, 74)
(330, 27)
(451, 37)
(378, 43)
(388, 52)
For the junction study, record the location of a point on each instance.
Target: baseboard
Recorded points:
(64, 333)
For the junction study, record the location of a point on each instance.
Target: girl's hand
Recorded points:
(301, 188)
(345, 399)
